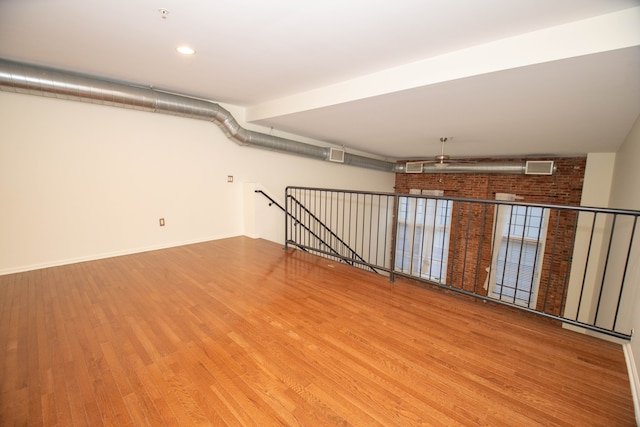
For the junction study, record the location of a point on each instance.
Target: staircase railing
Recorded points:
(314, 228)
(572, 264)
(330, 240)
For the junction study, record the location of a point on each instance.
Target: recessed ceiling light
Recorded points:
(163, 13)
(186, 50)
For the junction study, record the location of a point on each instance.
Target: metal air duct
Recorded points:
(479, 167)
(48, 82)
(36, 80)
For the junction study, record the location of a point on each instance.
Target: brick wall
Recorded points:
(472, 223)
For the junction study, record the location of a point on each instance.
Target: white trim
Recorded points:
(111, 254)
(634, 379)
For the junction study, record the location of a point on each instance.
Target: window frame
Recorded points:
(510, 239)
(413, 216)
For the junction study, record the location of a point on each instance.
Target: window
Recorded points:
(518, 249)
(422, 237)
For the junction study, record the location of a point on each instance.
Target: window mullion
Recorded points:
(535, 272)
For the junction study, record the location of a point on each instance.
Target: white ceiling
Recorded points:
(502, 77)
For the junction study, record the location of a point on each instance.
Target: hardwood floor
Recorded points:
(241, 332)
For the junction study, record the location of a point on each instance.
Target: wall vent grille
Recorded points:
(539, 167)
(336, 155)
(413, 167)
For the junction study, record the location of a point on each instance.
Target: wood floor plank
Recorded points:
(107, 386)
(180, 388)
(240, 332)
(173, 413)
(48, 405)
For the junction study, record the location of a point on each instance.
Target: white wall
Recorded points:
(625, 194)
(81, 181)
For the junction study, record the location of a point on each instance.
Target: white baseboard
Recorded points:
(94, 257)
(634, 380)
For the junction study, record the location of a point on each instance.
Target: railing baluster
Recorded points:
(568, 264)
(538, 269)
(606, 265)
(443, 242)
(479, 254)
(466, 245)
(394, 237)
(450, 262)
(364, 205)
(348, 235)
(433, 241)
(370, 245)
(344, 195)
(422, 238)
(586, 264)
(553, 256)
(376, 229)
(624, 273)
(386, 222)
(506, 251)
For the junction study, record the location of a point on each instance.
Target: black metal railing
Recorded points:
(313, 227)
(567, 263)
(332, 244)
(271, 200)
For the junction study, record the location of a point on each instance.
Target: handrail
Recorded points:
(271, 201)
(390, 234)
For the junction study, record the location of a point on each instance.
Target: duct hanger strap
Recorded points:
(42, 81)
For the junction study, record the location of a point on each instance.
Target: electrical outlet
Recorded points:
(161, 222)
(229, 178)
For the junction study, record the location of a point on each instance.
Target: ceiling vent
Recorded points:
(413, 167)
(336, 155)
(540, 167)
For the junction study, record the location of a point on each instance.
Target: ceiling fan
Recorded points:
(443, 160)
(440, 161)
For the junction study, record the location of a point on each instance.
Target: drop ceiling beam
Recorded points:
(604, 33)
